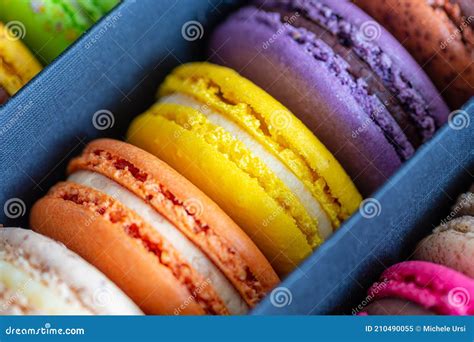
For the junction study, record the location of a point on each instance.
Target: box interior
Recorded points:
(117, 66)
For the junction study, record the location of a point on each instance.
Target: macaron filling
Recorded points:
(369, 53)
(292, 182)
(186, 248)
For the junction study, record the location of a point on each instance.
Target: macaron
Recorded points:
(49, 27)
(440, 36)
(342, 74)
(452, 243)
(39, 276)
(161, 240)
(420, 287)
(252, 156)
(18, 66)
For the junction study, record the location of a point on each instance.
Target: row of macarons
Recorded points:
(351, 82)
(41, 276)
(371, 97)
(440, 277)
(203, 209)
(250, 155)
(208, 203)
(34, 32)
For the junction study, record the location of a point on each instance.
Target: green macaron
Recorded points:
(49, 27)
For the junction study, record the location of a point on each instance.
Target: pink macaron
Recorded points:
(420, 287)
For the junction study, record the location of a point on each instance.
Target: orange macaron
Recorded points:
(159, 238)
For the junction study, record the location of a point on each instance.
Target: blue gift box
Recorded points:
(110, 75)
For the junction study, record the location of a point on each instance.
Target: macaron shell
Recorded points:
(50, 26)
(451, 244)
(280, 241)
(96, 292)
(424, 31)
(18, 66)
(435, 287)
(223, 242)
(315, 97)
(112, 251)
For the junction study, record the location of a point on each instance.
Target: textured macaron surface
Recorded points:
(40, 276)
(352, 90)
(257, 152)
(378, 63)
(439, 34)
(167, 228)
(17, 64)
(452, 243)
(434, 287)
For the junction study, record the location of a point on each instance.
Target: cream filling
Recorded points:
(288, 178)
(192, 254)
(19, 289)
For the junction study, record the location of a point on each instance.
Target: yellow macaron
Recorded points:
(251, 156)
(17, 64)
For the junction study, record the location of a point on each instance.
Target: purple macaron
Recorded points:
(342, 74)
